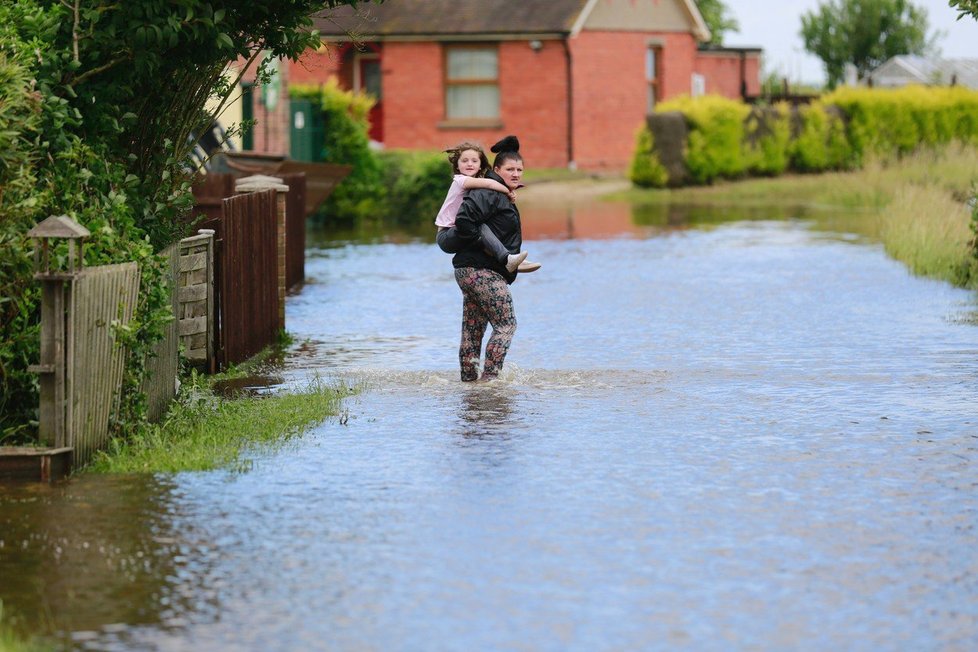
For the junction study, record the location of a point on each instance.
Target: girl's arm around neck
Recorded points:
(489, 184)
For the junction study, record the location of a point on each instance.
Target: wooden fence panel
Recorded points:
(100, 296)
(295, 228)
(190, 264)
(248, 270)
(159, 385)
(195, 309)
(210, 191)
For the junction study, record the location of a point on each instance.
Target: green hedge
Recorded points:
(886, 122)
(400, 186)
(417, 183)
(47, 170)
(727, 139)
(361, 195)
(646, 170)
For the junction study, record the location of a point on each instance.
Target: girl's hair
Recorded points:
(507, 149)
(454, 153)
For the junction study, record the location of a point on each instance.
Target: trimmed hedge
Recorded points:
(727, 139)
(884, 122)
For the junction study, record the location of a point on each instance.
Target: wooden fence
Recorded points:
(102, 296)
(159, 384)
(191, 263)
(210, 191)
(227, 298)
(240, 282)
(248, 269)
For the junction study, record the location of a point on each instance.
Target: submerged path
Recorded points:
(746, 435)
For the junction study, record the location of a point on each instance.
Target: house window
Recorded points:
(653, 58)
(471, 83)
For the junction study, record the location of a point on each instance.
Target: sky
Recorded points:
(774, 25)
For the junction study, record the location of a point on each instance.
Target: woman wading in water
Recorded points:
(483, 278)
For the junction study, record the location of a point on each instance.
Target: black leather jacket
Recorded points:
(500, 214)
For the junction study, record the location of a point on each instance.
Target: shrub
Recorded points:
(417, 182)
(714, 148)
(646, 171)
(361, 195)
(820, 141)
(767, 132)
(889, 122)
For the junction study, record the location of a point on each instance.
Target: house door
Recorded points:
(368, 81)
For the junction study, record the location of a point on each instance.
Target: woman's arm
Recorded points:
(489, 184)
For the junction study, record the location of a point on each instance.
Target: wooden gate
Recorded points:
(248, 276)
(101, 298)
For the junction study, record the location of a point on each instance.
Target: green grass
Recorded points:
(13, 641)
(204, 431)
(916, 206)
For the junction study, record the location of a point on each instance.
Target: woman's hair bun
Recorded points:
(507, 144)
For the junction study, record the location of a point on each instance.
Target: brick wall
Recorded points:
(610, 91)
(533, 100)
(609, 88)
(271, 130)
(316, 66)
(722, 73)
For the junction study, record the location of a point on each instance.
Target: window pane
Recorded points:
(371, 78)
(472, 64)
(472, 101)
(649, 64)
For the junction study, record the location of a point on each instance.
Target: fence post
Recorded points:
(54, 368)
(258, 183)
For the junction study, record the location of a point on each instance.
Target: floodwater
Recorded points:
(716, 430)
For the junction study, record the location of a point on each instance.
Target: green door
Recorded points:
(306, 131)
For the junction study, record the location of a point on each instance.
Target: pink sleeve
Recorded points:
(453, 200)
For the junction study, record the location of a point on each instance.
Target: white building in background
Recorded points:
(907, 69)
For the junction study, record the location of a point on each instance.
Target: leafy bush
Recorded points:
(767, 132)
(716, 134)
(418, 182)
(98, 102)
(646, 171)
(841, 131)
(361, 195)
(820, 141)
(895, 122)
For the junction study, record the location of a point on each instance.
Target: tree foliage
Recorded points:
(965, 8)
(718, 18)
(98, 103)
(864, 33)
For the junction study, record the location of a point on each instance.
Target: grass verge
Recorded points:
(12, 641)
(917, 206)
(204, 431)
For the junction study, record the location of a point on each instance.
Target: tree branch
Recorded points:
(100, 69)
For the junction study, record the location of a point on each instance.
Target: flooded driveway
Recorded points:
(715, 431)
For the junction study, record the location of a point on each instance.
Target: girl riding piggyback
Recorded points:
(470, 164)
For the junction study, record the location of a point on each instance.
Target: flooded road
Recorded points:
(714, 431)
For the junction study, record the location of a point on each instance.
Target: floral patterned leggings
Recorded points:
(485, 300)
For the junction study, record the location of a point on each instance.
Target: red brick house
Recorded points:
(572, 78)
